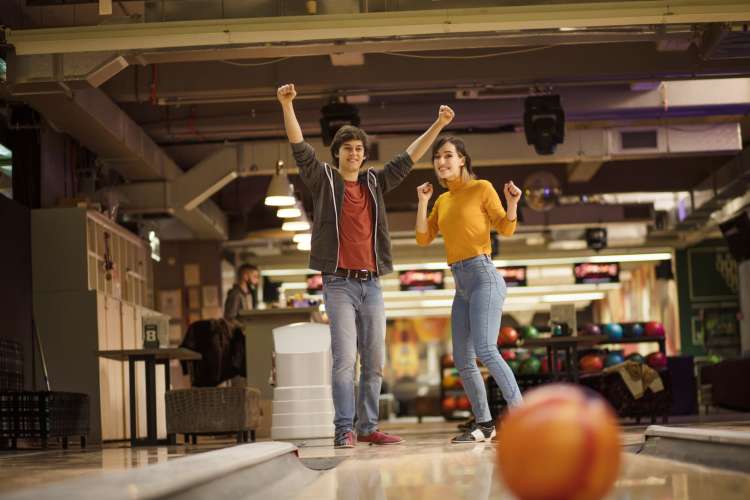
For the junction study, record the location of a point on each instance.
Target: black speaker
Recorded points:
(544, 123)
(596, 238)
(335, 116)
(737, 233)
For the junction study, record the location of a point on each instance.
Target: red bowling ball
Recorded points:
(508, 354)
(508, 336)
(656, 360)
(449, 404)
(654, 329)
(463, 403)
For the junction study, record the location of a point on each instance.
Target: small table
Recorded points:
(151, 357)
(569, 345)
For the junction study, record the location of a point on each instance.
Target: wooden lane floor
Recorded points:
(427, 466)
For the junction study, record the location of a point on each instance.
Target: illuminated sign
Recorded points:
(513, 276)
(421, 280)
(597, 272)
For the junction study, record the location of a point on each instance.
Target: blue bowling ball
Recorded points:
(613, 331)
(636, 330)
(613, 358)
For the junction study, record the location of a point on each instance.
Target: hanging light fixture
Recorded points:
(303, 246)
(298, 224)
(280, 193)
(302, 238)
(288, 212)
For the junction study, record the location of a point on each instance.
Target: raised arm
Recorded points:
(398, 168)
(310, 168)
(421, 144)
(286, 95)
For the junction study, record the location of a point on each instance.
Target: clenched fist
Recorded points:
(512, 192)
(286, 93)
(424, 192)
(445, 115)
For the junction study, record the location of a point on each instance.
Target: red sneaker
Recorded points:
(345, 440)
(378, 437)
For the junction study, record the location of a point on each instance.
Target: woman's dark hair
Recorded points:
(458, 143)
(345, 134)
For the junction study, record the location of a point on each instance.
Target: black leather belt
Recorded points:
(361, 274)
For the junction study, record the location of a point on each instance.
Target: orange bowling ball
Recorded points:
(560, 444)
(591, 363)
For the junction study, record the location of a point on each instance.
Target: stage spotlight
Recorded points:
(544, 123)
(596, 238)
(335, 116)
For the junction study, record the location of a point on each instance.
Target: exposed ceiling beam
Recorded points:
(442, 43)
(393, 74)
(285, 30)
(697, 98)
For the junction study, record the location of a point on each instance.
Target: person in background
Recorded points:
(243, 296)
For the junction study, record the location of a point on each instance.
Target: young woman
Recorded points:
(464, 216)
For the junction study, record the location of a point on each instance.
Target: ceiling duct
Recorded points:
(67, 97)
(726, 42)
(728, 182)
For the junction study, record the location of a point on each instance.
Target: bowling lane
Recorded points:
(427, 467)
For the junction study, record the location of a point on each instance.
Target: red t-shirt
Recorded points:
(355, 229)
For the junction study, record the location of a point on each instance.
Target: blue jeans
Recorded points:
(357, 318)
(475, 325)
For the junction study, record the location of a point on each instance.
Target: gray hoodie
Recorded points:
(327, 187)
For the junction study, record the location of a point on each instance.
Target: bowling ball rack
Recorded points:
(454, 390)
(651, 405)
(612, 388)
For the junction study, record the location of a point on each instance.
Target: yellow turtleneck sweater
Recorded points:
(464, 215)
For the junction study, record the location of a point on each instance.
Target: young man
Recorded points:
(244, 294)
(351, 247)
